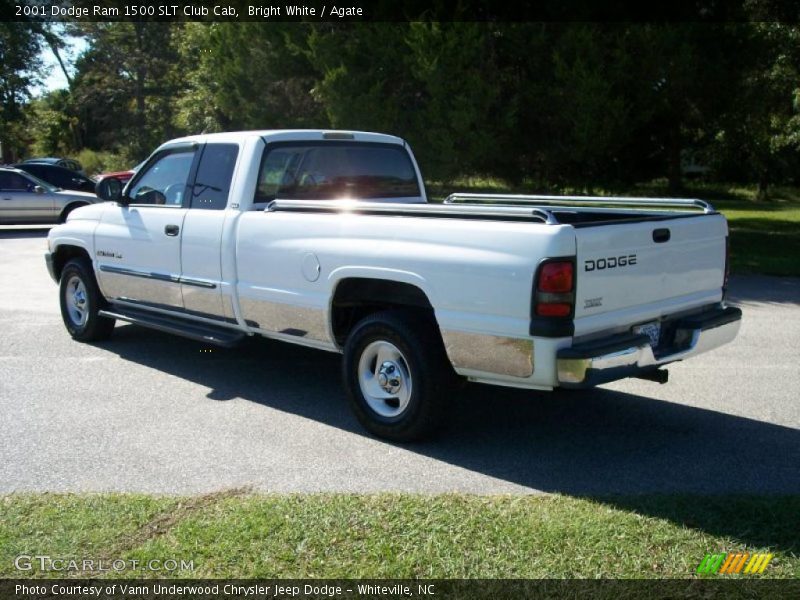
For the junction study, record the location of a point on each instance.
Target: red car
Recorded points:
(122, 176)
(114, 179)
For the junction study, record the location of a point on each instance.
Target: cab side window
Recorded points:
(214, 173)
(164, 181)
(14, 182)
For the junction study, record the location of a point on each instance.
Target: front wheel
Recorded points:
(81, 302)
(397, 375)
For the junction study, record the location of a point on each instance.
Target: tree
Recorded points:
(247, 76)
(19, 72)
(53, 125)
(125, 85)
(760, 136)
(593, 116)
(687, 74)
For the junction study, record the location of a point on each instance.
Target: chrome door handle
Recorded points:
(171, 230)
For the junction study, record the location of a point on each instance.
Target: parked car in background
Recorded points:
(25, 198)
(67, 163)
(122, 176)
(110, 184)
(61, 177)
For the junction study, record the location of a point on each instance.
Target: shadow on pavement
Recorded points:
(763, 289)
(620, 449)
(17, 231)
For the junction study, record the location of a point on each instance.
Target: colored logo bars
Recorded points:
(734, 563)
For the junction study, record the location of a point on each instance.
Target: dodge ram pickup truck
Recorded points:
(326, 239)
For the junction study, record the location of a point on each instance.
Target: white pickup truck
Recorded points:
(326, 239)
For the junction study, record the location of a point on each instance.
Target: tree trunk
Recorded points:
(139, 88)
(53, 43)
(762, 194)
(675, 184)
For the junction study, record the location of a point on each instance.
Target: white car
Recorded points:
(25, 198)
(326, 239)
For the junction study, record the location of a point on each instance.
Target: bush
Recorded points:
(99, 162)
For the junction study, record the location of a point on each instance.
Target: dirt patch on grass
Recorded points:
(162, 523)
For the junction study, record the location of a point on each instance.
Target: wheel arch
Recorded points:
(358, 296)
(65, 253)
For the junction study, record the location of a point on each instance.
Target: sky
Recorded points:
(54, 76)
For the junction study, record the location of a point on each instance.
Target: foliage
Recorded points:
(245, 77)
(559, 105)
(762, 131)
(19, 66)
(125, 86)
(95, 162)
(53, 127)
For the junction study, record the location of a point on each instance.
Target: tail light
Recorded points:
(554, 294)
(727, 266)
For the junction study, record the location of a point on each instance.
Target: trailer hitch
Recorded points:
(657, 375)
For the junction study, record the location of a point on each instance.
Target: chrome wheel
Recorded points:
(76, 301)
(385, 379)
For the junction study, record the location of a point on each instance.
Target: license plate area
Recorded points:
(652, 330)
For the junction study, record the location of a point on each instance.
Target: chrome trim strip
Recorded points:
(411, 209)
(158, 276)
(489, 353)
(299, 341)
(460, 198)
(137, 273)
(198, 283)
(278, 318)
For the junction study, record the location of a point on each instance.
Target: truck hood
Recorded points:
(74, 195)
(90, 212)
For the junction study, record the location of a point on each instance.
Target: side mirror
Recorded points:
(37, 189)
(110, 189)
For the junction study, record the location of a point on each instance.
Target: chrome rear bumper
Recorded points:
(628, 355)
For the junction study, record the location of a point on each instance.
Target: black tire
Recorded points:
(90, 326)
(422, 357)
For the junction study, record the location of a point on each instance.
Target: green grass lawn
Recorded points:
(402, 536)
(765, 236)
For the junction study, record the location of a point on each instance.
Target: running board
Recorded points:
(201, 332)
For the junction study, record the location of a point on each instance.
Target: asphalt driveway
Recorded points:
(152, 413)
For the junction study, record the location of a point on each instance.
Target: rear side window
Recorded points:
(214, 174)
(334, 170)
(52, 175)
(13, 182)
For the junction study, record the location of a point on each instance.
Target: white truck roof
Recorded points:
(278, 135)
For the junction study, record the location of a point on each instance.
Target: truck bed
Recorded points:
(637, 260)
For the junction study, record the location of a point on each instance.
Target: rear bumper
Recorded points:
(626, 355)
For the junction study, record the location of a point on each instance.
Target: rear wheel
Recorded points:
(396, 375)
(81, 302)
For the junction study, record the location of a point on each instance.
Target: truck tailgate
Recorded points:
(629, 273)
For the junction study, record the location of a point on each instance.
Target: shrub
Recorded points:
(94, 162)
